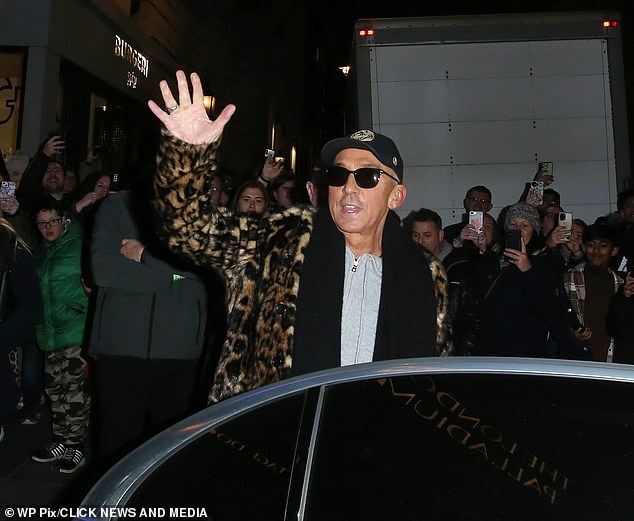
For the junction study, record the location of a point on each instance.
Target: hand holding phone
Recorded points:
(565, 219)
(475, 220)
(271, 169)
(515, 252)
(7, 188)
(54, 146)
(546, 171)
(536, 193)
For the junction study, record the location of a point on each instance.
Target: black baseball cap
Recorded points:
(382, 147)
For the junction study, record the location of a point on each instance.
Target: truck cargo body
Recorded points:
(481, 100)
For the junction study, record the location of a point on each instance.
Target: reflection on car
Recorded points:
(447, 438)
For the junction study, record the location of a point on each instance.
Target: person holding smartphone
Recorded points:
(307, 289)
(516, 289)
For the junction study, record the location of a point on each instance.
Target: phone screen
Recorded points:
(513, 240)
(546, 168)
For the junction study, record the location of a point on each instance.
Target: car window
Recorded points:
(237, 471)
(475, 447)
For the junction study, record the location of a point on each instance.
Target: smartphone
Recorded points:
(537, 188)
(546, 169)
(7, 188)
(475, 219)
(565, 219)
(268, 153)
(513, 239)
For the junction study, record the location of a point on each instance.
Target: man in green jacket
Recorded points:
(60, 335)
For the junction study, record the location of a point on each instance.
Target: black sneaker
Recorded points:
(71, 461)
(53, 452)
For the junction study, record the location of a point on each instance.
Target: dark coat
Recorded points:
(620, 326)
(20, 309)
(515, 317)
(24, 299)
(151, 309)
(261, 260)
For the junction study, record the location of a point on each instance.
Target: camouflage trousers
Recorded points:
(67, 389)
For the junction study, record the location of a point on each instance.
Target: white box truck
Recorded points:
(482, 99)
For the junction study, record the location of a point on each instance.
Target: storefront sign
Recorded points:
(124, 50)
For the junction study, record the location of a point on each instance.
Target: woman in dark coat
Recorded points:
(516, 290)
(20, 308)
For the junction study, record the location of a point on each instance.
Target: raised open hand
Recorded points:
(187, 119)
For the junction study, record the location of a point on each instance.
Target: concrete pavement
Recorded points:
(24, 482)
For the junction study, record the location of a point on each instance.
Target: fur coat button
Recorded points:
(277, 361)
(281, 309)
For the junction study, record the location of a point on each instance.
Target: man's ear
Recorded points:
(399, 192)
(441, 234)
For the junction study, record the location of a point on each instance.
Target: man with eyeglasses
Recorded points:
(478, 198)
(60, 334)
(307, 289)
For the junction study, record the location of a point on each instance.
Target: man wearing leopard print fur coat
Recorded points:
(306, 289)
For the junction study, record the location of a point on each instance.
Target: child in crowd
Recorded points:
(60, 335)
(591, 287)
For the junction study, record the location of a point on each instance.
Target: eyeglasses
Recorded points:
(478, 199)
(42, 225)
(364, 177)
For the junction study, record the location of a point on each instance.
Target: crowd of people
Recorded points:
(127, 306)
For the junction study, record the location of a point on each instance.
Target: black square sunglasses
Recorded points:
(364, 177)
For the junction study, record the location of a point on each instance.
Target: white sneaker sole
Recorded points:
(70, 471)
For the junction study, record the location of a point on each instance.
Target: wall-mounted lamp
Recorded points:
(210, 103)
(345, 70)
(293, 157)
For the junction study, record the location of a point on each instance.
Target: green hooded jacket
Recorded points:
(58, 265)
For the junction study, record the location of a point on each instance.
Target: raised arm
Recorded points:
(186, 219)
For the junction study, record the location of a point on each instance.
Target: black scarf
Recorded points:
(406, 326)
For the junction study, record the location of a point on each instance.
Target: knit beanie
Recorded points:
(524, 211)
(19, 161)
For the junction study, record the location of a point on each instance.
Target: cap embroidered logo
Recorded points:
(363, 135)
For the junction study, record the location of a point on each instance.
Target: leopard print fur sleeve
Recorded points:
(186, 219)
